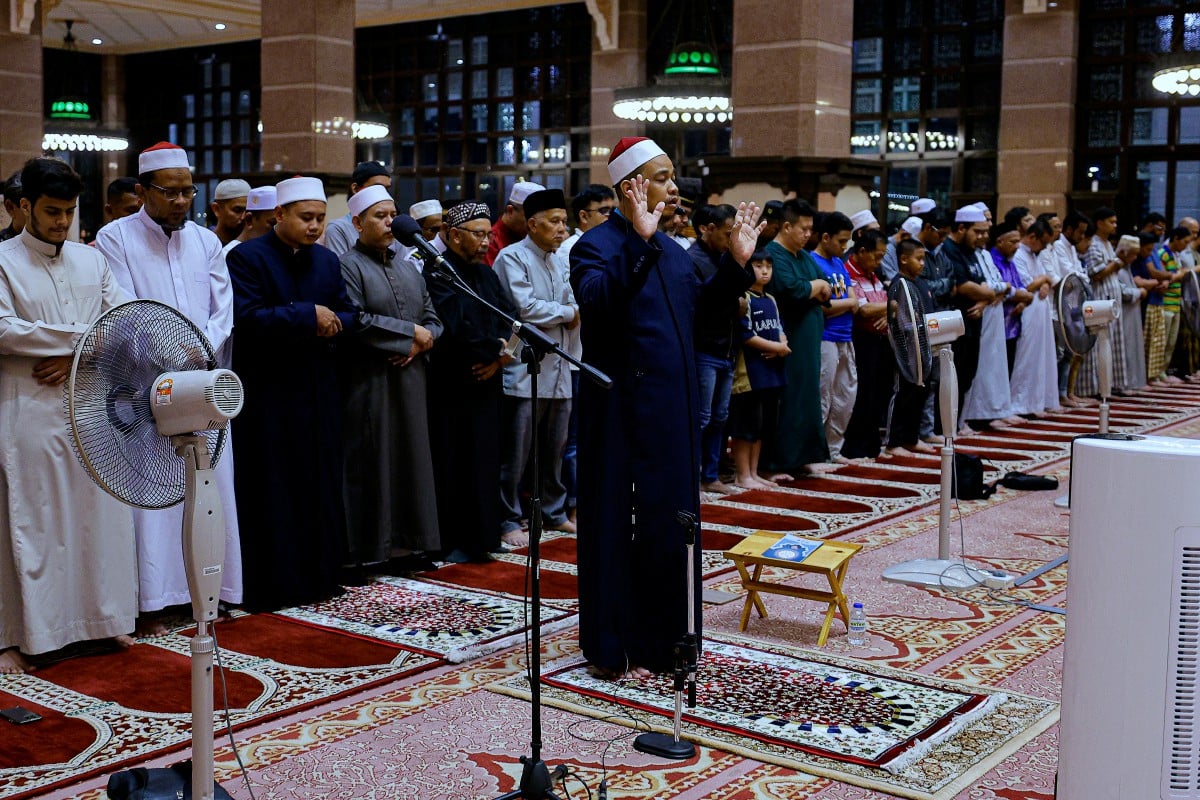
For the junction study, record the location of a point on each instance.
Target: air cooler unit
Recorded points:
(1130, 725)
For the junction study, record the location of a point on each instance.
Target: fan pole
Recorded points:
(203, 555)
(1104, 374)
(940, 572)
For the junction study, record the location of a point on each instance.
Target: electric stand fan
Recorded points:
(148, 411)
(912, 338)
(1084, 323)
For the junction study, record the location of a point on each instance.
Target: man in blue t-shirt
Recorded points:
(839, 375)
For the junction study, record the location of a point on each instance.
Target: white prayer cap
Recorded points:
(629, 154)
(983, 208)
(231, 188)
(913, 226)
(299, 188)
(163, 155)
(861, 219)
(922, 206)
(261, 199)
(522, 190)
(425, 208)
(969, 213)
(363, 199)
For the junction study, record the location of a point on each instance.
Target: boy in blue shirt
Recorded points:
(758, 377)
(839, 372)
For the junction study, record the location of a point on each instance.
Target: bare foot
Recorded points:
(515, 538)
(716, 487)
(819, 468)
(934, 440)
(777, 478)
(123, 642)
(841, 459)
(633, 673)
(148, 626)
(966, 430)
(765, 482)
(13, 663)
(749, 483)
(1067, 402)
(897, 451)
(921, 447)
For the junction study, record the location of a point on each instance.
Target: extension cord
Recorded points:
(998, 579)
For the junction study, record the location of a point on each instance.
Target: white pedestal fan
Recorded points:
(148, 412)
(1084, 323)
(914, 339)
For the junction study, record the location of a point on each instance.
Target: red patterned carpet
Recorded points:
(336, 713)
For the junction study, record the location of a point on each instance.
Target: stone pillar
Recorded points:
(1037, 107)
(791, 78)
(21, 113)
(112, 117)
(307, 79)
(619, 67)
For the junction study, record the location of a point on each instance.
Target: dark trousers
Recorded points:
(904, 419)
(873, 355)
(966, 364)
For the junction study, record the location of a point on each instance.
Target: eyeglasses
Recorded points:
(477, 234)
(187, 192)
(603, 211)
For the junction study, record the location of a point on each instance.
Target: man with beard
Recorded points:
(467, 389)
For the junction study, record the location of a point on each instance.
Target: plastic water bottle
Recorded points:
(857, 629)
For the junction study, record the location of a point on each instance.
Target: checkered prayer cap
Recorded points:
(465, 212)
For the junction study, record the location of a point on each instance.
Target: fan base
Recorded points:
(934, 573)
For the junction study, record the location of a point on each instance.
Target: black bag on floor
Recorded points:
(172, 783)
(967, 483)
(1020, 480)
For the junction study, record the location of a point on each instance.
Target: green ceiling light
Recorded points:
(691, 90)
(692, 58)
(68, 108)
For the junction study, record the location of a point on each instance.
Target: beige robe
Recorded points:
(67, 563)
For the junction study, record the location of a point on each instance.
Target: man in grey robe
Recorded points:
(391, 505)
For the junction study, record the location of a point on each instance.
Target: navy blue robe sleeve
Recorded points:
(603, 281)
(251, 310)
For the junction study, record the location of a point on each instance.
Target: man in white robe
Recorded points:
(66, 547)
(1034, 380)
(158, 254)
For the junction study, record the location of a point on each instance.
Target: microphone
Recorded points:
(408, 233)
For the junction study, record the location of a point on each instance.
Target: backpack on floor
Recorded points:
(967, 482)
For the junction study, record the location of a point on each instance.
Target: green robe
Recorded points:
(800, 437)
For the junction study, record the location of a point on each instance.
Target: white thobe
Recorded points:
(187, 272)
(1034, 381)
(989, 396)
(67, 563)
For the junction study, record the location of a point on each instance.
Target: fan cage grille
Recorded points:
(107, 401)
(907, 332)
(1072, 294)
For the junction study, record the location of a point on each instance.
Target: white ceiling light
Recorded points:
(57, 142)
(220, 26)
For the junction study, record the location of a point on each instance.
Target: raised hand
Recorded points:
(744, 236)
(643, 219)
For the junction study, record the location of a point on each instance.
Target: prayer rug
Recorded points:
(560, 586)
(900, 732)
(103, 713)
(442, 621)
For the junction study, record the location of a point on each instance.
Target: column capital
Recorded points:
(607, 16)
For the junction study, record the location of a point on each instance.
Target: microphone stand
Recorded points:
(687, 654)
(537, 782)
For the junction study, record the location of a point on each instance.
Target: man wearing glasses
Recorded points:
(466, 390)
(159, 254)
(589, 208)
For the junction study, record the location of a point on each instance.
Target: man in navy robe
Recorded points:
(639, 448)
(290, 307)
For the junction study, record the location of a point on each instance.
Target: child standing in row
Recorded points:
(758, 377)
